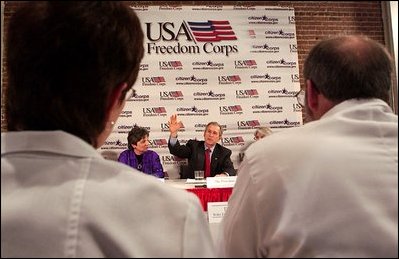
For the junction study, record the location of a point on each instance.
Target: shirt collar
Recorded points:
(212, 148)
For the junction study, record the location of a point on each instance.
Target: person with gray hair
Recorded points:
(71, 66)
(330, 187)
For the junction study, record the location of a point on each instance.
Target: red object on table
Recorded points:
(211, 195)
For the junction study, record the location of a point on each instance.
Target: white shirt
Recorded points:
(325, 189)
(60, 198)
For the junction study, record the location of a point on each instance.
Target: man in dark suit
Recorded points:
(195, 151)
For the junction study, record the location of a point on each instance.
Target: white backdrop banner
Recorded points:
(234, 65)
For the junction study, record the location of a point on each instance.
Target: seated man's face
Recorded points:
(212, 135)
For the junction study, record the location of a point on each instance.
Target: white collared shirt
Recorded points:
(60, 198)
(326, 189)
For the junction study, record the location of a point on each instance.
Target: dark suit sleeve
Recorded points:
(228, 164)
(182, 151)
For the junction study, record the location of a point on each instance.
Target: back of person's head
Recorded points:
(65, 59)
(347, 67)
(262, 132)
(135, 135)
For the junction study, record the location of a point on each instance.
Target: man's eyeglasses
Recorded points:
(300, 97)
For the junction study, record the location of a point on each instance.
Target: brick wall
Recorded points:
(314, 21)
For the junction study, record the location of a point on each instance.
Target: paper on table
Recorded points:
(193, 181)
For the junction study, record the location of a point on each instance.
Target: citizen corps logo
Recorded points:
(279, 34)
(139, 98)
(192, 111)
(126, 114)
(191, 80)
(207, 96)
(265, 48)
(280, 63)
(268, 108)
(126, 128)
(207, 65)
(266, 78)
(273, 93)
(113, 144)
(284, 123)
(209, 32)
(262, 20)
(200, 127)
(123, 128)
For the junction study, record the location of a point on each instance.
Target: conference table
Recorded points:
(204, 194)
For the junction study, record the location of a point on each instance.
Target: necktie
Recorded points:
(207, 170)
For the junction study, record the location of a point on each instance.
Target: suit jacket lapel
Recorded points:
(214, 158)
(201, 156)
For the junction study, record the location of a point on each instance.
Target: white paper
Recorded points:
(216, 211)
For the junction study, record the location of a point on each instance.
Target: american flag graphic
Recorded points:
(160, 109)
(212, 31)
(176, 93)
(253, 123)
(235, 108)
(234, 78)
(237, 139)
(160, 142)
(250, 62)
(159, 79)
(176, 63)
(252, 92)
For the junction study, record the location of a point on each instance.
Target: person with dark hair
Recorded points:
(70, 67)
(206, 155)
(138, 156)
(330, 187)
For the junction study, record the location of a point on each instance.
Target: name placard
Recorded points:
(216, 211)
(221, 182)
